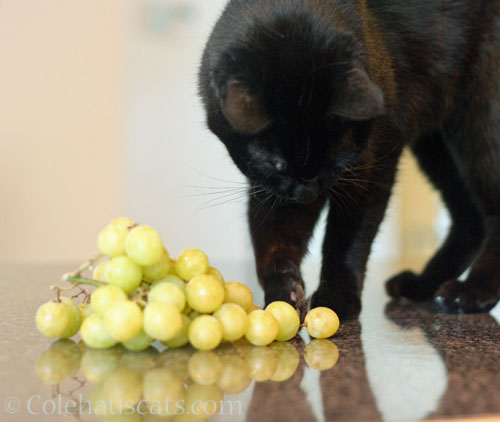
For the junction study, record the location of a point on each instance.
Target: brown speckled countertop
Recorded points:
(399, 362)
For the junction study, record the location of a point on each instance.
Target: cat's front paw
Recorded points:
(287, 288)
(410, 286)
(455, 297)
(345, 303)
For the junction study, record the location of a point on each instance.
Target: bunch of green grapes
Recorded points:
(144, 295)
(148, 378)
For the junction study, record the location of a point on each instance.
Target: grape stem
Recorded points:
(85, 266)
(82, 280)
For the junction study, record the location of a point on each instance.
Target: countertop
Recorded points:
(399, 362)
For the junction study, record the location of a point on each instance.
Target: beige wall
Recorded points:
(60, 84)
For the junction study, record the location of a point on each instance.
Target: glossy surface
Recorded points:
(398, 363)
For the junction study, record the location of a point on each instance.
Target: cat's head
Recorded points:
(292, 108)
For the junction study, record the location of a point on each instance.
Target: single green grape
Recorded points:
(59, 362)
(125, 273)
(321, 322)
(111, 240)
(191, 263)
(216, 273)
(100, 272)
(181, 338)
(204, 400)
(162, 386)
(238, 293)
(138, 343)
(261, 362)
(96, 364)
(234, 321)
(162, 321)
(262, 328)
(288, 361)
(204, 293)
(167, 293)
(159, 270)
(93, 333)
(321, 354)
(173, 279)
(234, 377)
(144, 245)
(105, 297)
(53, 319)
(121, 387)
(205, 332)
(123, 320)
(75, 319)
(287, 317)
(204, 367)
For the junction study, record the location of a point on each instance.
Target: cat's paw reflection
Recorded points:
(455, 297)
(345, 303)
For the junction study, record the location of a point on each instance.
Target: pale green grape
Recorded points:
(144, 245)
(93, 333)
(321, 354)
(123, 222)
(204, 293)
(159, 270)
(138, 343)
(121, 387)
(287, 317)
(96, 364)
(173, 279)
(123, 320)
(262, 328)
(75, 319)
(321, 322)
(203, 400)
(100, 272)
(204, 367)
(190, 263)
(106, 296)
(288, 361)
(261, 362)
(234, 321)
(182, 337)
(124, 273)
(205, 332)
(162, 386)
(162, 321)
(111, 240)
(216, 273)
(59, 362)
(53, 319)
(234, 377)
(254, 307)
(167, 293)
(238, 293)
(86, 310)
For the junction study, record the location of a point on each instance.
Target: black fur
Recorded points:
(316, 99)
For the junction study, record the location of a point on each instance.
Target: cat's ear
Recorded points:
(243, 110)
(358, 98)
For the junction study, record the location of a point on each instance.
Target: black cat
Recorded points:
(316, 99)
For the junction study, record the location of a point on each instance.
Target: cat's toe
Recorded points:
(455, 297)
(345, 303)
(287, 289)
(410, 286)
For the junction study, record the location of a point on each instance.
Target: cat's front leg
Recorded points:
(356, 211)
(280, 234)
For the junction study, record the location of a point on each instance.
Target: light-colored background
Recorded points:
(99, 117)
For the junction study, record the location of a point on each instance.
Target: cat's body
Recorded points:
(315, 101)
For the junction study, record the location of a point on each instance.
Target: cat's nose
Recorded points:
(306, 194)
